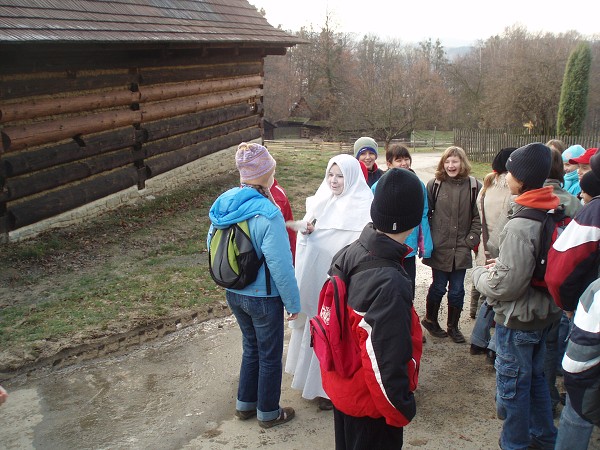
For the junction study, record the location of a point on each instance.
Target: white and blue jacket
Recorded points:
(269, 237)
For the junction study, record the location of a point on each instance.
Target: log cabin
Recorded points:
(99, 98)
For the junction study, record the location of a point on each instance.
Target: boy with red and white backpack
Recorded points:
(372, 406)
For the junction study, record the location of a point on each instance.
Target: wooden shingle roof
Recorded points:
(137, 21)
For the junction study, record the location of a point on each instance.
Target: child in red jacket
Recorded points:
(372, 406)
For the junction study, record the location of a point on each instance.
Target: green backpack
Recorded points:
(232, 259)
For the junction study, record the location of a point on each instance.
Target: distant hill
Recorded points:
(454, 52)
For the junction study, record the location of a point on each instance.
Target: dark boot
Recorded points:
(430, 322)
(453, 331)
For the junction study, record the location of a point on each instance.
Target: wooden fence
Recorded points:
(482, 145)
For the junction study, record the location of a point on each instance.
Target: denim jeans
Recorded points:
(455, 281)
(261, 322)
(522, 396)
(552, 342)
(480, 336)
(564, 330)
(574, 431)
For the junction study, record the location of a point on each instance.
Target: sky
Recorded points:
(455, 23)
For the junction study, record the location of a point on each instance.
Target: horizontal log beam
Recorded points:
(37, 108)
(186, 139)
(20, 163)
(170, 108)
(46, 180)
(58, 201)
(170, 126)
(165, 162)
(25, 136)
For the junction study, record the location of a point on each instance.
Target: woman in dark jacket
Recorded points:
(455, 230)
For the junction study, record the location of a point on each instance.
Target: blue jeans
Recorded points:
(564, 330)
(261, 322)
(455, 281)
(481, 336)
(574, 431)
(552, 345)
(522, 396)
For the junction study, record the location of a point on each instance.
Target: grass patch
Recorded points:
(130, 266)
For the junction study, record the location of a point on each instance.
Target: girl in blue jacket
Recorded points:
(259, 312)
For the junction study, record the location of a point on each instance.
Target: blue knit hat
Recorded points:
(574, 151)
(364, 143)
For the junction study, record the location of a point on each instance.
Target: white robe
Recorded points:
(339, 221)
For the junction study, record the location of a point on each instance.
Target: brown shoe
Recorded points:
(285, 415)
(245, 415)
(325, 404)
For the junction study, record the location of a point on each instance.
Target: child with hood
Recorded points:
(258, 309)
(571, 184)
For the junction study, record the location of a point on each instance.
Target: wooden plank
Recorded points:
(32, 210)
(165, 162)
(196, 87)
(25, 136)
(188, 122)
(170, 108)
(36, 108)
(38, 182)
(22, 162)
(204, 72)
(183, 140)
(55, 84)
(76, 58)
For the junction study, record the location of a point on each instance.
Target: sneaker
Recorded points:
(245, 415)
(490, 357)
(285, 415)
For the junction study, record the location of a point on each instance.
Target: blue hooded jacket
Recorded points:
(269, 237)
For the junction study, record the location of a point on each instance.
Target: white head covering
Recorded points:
(348, 211)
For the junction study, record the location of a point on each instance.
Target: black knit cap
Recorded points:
(398, 202)
(595, 164)
(499, 162)
(590, 184)
(530, 164)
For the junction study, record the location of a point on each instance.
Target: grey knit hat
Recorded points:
(530, 164)
(364, 143)
(398, 202)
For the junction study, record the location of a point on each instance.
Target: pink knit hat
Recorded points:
(254, 163)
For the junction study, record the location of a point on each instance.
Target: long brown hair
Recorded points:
(465, 165)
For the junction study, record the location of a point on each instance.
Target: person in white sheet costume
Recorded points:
(335, 217)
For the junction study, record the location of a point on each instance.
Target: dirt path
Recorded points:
(178, 392)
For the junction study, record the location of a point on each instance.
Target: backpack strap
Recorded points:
(473, 191)
(267, 275)
(435, 192)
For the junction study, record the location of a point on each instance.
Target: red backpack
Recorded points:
(332, 339)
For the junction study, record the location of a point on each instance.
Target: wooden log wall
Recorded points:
(76, 127)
